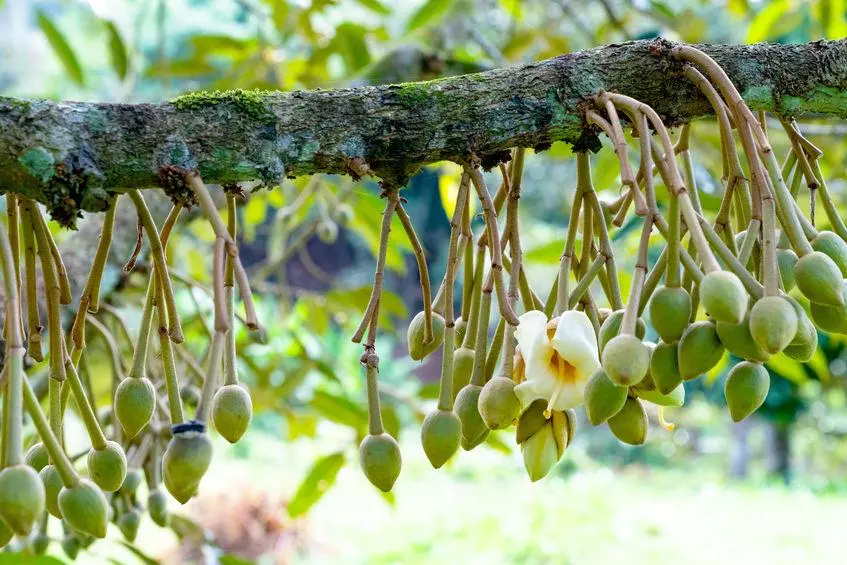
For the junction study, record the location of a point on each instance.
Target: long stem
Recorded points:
(563, 279)
(89, 301)
(33, 316)
(374, 412)
(168, 365)
(89, 418)
(513, 228)
(630, 315)
(161, 264)
(230, 372)
(423, 271)
(61, 272)
(445, 387)
(210, 384)
(13, 407)
(54, 449)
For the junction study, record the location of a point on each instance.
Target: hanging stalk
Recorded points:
(13, 227)
(14, 363)
(210, 384)
(481, 341)
(65, 297)
(89, 301)
(513, 228)
(34, 326)
(467, 251)
(57, 455)
(230, 373)
(445, 387)
(423, 271)
(86, 411)
(563, 280)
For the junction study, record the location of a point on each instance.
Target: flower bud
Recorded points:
(474, 430)
(36, 456)
(39, 543)
(611, 327)
(625, 360)
(107, 466)
(630, 424)
(185, 461)
(785, 260)
(440, 435)
(498, 404)
(831, 245)
(544, 448)
(664, 366)
(699, 350)
(379, 456)
(723, 296)
(21, 498)
(415, 336)
(670, 310)
(531, 420)
(603, 398)
(819, 279)
(805, 341)
(85, 508)
(746, 388)
(463, 360)
(53, 485)
(157, 507)
(135, 400)
(128, 523)
(773, 323)
(71, 546)
(232, 411)
(830, 318)
(736, 338)
(131, 482)
(460, 327)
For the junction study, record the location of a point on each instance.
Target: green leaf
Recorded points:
(430, 13)
(350, 42)
(21, 559)
(764, 22)
(340, 410)
(549, 253)
(117, 50)
(318, 480)
(61, 48)
(376, 6)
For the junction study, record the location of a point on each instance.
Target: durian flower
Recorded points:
(555, 363)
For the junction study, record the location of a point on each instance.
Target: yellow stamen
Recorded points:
(561, 368)
(670, 426)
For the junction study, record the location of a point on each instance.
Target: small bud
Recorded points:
(820, 279)
(543, 449)
(746, 388)
(603, 398)
(830, 318)
(107, 466)
(773, 323)
(157, 506)
(85, 508)
(128, 523)
(664, 366)
(805, 341)
(630, 424)
(498, 404)
(39, 544)
(531, 420)
(625, 360)
(699, 350)
(52, 481)
(131, 482)
(185, 461)
(21, 498)
(785, 260)
(415, 335)
(71, 546)
(738, 340)
(459, 329)
(723, 296)
(831, 245)
(670, 310)
(379, 456)
(440, 435)
(612, 327)
(135, 400)
(474, 430)
(36, 456)
(463, 359)
(232, 410)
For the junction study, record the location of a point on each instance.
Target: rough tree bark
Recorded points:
(71, 156)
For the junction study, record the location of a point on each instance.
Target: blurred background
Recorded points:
(770, 490)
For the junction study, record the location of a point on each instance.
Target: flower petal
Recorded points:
(535, 388)
(570, 396)
(575, 341)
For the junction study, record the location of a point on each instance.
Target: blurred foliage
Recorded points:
(309, 244)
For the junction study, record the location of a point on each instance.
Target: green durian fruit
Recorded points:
(746, 388)
(630, 424)
(670, 311)
(603, 398)
(415, 336)
(723, 296)
(441, 433)
(379, 456)
(699, 350)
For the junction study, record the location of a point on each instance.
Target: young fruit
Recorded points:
(21, 498)
(85, 508)
(190, 395)
(630, 424)
(459, 329)
(128, 523)
(440, 435)
(819, 279)
(723, 296)
(785, 260)
(830, 318)
(52, 487)
(603, 398)
(36, 456)
(625, 360)
(135, 400)
(474, 430)
(39, 543)
(107, 466)
(131, 482)
(232, 411)
(670, 310)
(611, 327)
(185, 461)
(415, 336)
(738, 341)
(462, 369)
(157, 507)
(699, 350)
(664, 367)
(380, 458)
(831, 245)
(531, 420)
(498, 404)
(746, 388)
(773, 323)
(805, 341)
(71, 546)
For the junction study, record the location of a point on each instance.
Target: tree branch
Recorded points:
(70, 155)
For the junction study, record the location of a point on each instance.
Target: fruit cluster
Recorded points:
(137, 435)
(763, 273)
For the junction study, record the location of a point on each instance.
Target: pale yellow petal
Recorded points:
(575, 341)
